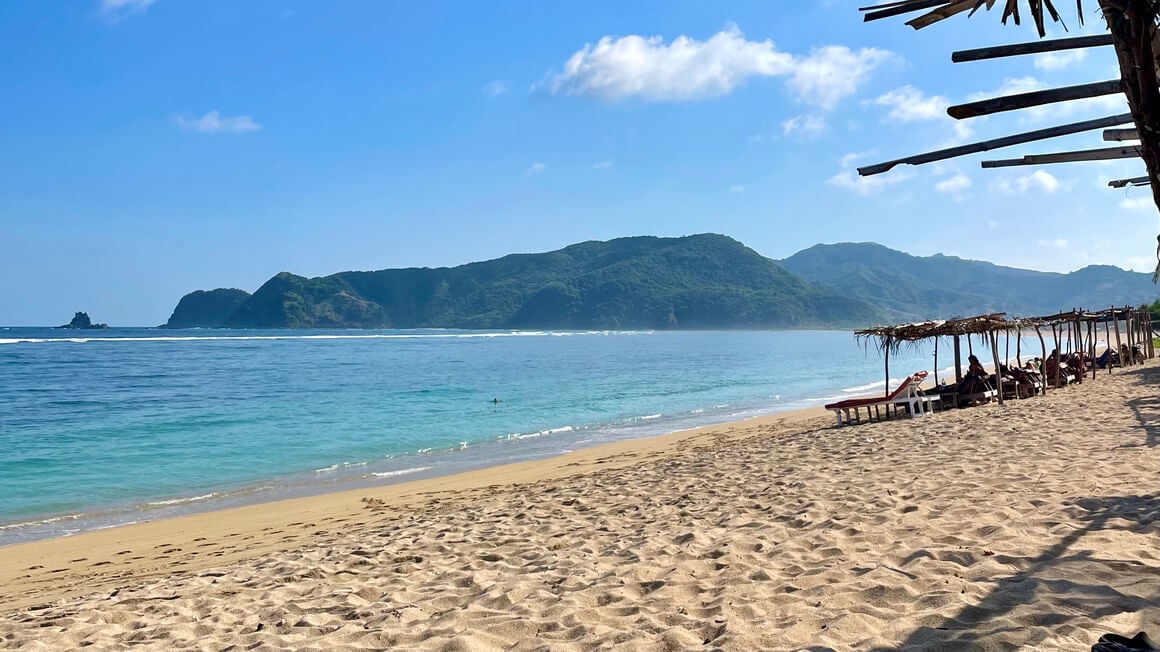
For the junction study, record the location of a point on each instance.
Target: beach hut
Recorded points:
(1130, 30)
(889, 339)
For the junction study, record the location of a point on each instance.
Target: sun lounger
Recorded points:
(898, 397)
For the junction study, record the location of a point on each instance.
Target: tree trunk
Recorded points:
(1132, 33)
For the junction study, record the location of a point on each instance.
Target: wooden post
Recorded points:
(1108, 342)
(998, 371)
(1092, 333)
(958, 363)
(1080, 349)
(936, 361)
(970, 349)
(1116, 323)
(888, 340)
(1058, 354)
(1042, 360)
(1007, 349)
(1130, 332)
(1019, 348)
(1151, 338)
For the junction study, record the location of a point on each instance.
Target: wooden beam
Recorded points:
(942, 13)
(996, 143)
(1034, 98)
(1105, 154)
(1134, 181)
(888, 10)
(1120, 135)
(1034, 47)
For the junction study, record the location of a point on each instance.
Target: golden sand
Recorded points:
(1031, 525)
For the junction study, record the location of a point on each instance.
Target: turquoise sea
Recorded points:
(99, 428)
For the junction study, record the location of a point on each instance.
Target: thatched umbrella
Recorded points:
(1131, 30)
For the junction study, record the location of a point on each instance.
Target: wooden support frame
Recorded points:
(1120, 135)
(1034, 98)
(1033, 47)
(1102, 154)
(998, 143)
(1134, 181)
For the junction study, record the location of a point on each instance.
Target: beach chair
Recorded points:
(916, 402)
(872, 405)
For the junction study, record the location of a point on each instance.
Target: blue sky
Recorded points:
(150, 148)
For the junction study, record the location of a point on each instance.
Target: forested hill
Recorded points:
(912, 287)
(700, 281)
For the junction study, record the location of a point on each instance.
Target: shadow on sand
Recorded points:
(1064, 582)
(1147, 409)
(1068, 581)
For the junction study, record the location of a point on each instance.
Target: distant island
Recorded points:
(693, 282)
(81, 321)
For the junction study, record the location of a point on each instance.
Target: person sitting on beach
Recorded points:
(975, 368)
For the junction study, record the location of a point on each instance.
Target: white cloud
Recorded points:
(1037, 181)
(602, 165)
(908, 104)
(1058, 243)
(534, 168)
(954, 185)
(618, 68)
(117, 10)
(849, 179)
(805, 126)
(737, 188)
(1137, 203)
(214, 123)
(1059, 60)
(496, 87)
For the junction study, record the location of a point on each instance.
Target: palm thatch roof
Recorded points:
(1038, 10)
(1131, 31)
(894, 337)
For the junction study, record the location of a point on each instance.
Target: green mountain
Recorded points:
(206, 308)
(700, 281)
(912, 287)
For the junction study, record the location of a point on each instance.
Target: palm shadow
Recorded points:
(1147, 409)
(1062, 584)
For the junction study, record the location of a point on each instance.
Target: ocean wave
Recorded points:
(43, 521)
(392, 474)
(182, 501)
(382, 336)
(340, 465)
(649, 417)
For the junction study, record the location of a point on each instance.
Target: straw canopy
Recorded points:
(894, 337)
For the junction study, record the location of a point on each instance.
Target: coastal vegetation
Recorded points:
(698, 281)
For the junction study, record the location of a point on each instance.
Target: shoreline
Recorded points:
(19, 588)
(367, 475)
(1022, 526)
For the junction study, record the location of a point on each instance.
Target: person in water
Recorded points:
(496, 401)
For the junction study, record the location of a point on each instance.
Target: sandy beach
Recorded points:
(1031, 525)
